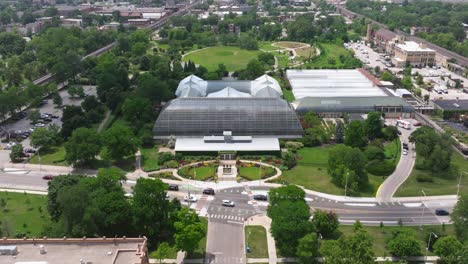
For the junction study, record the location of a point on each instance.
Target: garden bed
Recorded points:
(164, 175)
(253, 172)
(202, 171)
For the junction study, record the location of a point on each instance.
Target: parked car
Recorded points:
(30, 150)
(416, 124)
(209, 191)
(405, 146)
(54, 116)
(405, 152)
(10, 145)
(260, 197)
(48, 177)
(39, 125)
(173, 187)
(399, 132)
(441, 212)
(228, 203)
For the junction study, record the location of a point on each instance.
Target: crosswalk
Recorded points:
(226, 217)
(225, 260)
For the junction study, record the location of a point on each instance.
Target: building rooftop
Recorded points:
(349, 104)
(332, 83)
(76, 250)
(263, 86)
(413, 46)
(452, 104)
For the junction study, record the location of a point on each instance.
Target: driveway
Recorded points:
(403, 169)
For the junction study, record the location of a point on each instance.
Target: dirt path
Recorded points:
(104, 121)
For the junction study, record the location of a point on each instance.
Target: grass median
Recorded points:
(255, 238)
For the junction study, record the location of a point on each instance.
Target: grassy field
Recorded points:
(283, 59)
(149, 159)
(233, 57)
(440, 186)
(23, 213)
(51, 156)
(255, 238)
(329, 56)
(380, 236)
(265, 45)
(289, 44)
(253, 173)
(306, 52)
(311, 172)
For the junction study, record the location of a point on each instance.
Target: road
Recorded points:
(402, 170)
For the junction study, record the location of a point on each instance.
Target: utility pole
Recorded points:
(346, 184)
(428, 243)
(459, 181)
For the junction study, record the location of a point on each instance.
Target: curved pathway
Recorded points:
(402, 171)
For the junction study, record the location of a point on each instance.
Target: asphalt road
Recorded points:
(402, 170)
(225, 243)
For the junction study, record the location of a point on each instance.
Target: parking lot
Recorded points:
(24, 124)
(367, 55)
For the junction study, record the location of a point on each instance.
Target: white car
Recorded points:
(190, 198)
(228, 203)
(10, 145)
(39, 125)
(405, 152)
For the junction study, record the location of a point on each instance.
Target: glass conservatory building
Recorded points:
(228, 116)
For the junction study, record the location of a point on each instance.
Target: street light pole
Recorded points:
(424, 207)
(428, 243)
(346, 184)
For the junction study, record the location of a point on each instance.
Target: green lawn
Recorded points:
(393, 151)
(311, 172)
(51, 156)
(283, 59)
(234, 58)
(149, 159)
(329, 56)
(172, 254)
(288, 95)
(266, 45)
(440, 186)
(202, 173)
(380, 236)
(23, 213)
(255, 238)
(253, 173)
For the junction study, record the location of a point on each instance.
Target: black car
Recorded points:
(405, 146)
(209, 191)
(173, 187)
(441, 212)
(260, 197)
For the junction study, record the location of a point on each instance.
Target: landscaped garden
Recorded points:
(23, 214)
(253, 172)
(203, 171)
(234, 58)
(149, 159)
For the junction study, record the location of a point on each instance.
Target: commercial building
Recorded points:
(228, 116)
(74, 251)
(334, 93)
(410, 52)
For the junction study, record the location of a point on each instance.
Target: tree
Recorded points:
(34, 116)
(347, 165)
(188, 230)
(152, 88)
(290, 218)
(339, 132)
(289, 159)
(354, 135)
(307, 249)
(359, 246)
(16, 153)
(459, 217)
(11, 44)
(374, 153)
(248, 43)
(151, 209)
(83, 146)
(44, 137)
(404, 243)
(55, 185)
(137, 110)
(390, 133)
(120, 142)
(325, 223)
(90, 103)
(311, 119)
(162, 252)
(448, 248)
(57, 99)
(76, 91)
(373, 125)
(267, 58)
(387, 76)
(72, 118)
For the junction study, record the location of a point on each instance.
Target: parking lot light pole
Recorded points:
(459, 181)
(428, 243)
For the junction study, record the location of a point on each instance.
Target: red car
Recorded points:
(417, 124)
(48, 177)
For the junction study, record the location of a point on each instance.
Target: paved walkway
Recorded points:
(402, 171)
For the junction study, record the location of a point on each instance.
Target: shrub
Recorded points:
(380, 168)
(165, 157)
(171, 164)
(424, 178)
(294, 145)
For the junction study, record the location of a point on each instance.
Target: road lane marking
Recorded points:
(412, 204)
(235, 222)
(361, 204)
